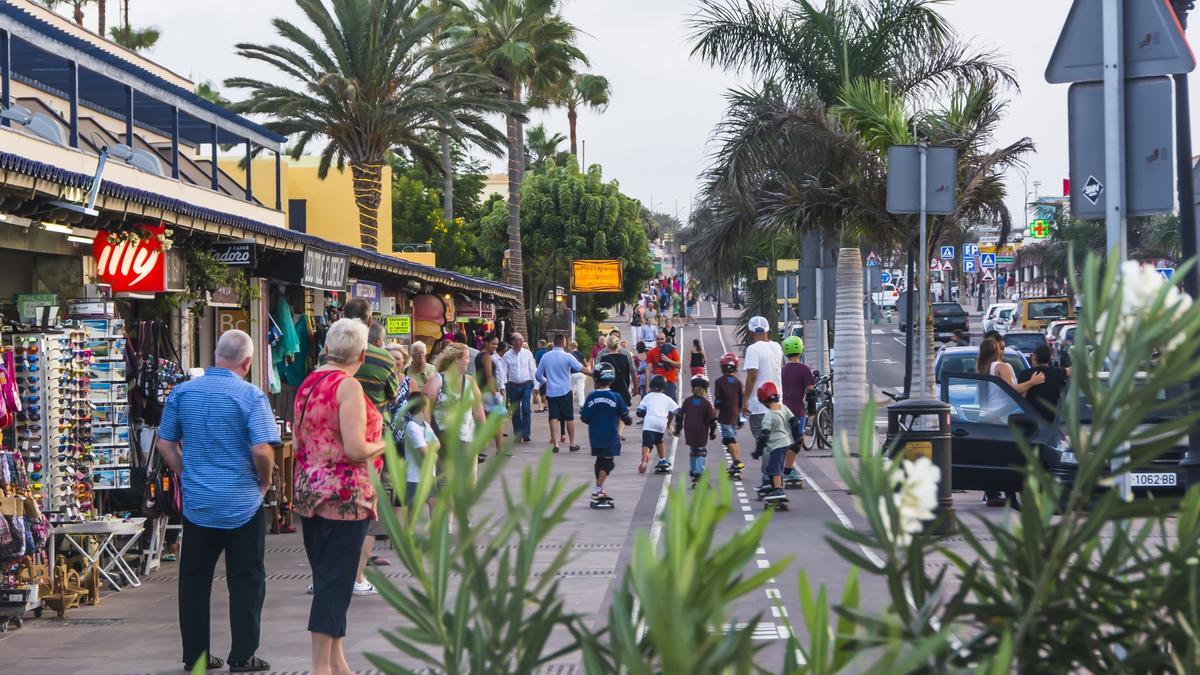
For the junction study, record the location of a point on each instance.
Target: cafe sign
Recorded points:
(241, 253)
(132, 264)
(324, 270)
(369, 291)
(470, 309)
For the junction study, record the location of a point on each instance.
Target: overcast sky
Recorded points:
(653, 137)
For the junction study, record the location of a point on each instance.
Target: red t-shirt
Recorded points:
(654, 359)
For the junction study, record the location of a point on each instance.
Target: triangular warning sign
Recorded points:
(1153, 43)
(947, 266)
(988, 275)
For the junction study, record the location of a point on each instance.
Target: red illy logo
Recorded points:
(132, 265)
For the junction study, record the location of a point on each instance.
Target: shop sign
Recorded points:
(470, 309)
(241, 253)
(399, 325)
(132, 266)
(28, 304)
(232, 319)
(596, 276)
(324, 270)
(369, 291)
(224, 296)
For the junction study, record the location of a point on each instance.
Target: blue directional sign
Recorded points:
(1165, 272)
(969, 265)
(987, 261)
(885, 277)
(947, 253)
(970, 250)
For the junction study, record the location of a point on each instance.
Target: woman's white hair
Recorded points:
(346, 341)
(419, 346)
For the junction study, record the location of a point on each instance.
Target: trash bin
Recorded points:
(921, 428)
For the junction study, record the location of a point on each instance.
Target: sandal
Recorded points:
(251, 665)
(214, 663)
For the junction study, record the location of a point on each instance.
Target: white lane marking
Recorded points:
(899, 342)
(773, 594)
(749, 517)
(878, 331)
(746, 507)
(762, 564)
(760, 551)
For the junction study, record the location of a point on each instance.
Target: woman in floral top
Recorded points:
(337, 440)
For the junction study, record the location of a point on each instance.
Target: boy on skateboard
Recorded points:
(699, 422)
(656, 410)
(728, 398)
(798, 380)
(602, 411)
(774, 440)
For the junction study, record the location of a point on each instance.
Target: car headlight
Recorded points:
(1065, 454)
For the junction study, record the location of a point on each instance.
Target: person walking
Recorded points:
(448, 390)
(647, 334)
(225, 469)
(520, 368)
(554, 373)
(668, 330)
(338, 444)
(696, 358)
(664, 360)
(577, 386)
(991, 362)
(487, 374)
(540, 403)
(420, 370)
(1045, 396)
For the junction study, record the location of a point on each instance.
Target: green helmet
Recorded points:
(793, 346)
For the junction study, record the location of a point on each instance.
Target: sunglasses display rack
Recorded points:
(109, 398)
(53, 431)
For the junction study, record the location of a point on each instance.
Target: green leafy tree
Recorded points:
(76, 8)
(541, 146)
(417, 218)
(209, 92)
(531, 47)
(361, 78)
(572, 215)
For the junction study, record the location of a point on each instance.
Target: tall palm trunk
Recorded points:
(850, 376)
(102, 11)
(368, 192)
(78, 13)
(573, 122)
(516, 155)
(447, 178)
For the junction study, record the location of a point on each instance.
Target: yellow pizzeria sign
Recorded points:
(596, 276)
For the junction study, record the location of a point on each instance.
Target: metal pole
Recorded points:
(820, 301)
(1114, 128)
(867, 326)
(923, 274)
(572, 317)
(720, 322)
(908, 322)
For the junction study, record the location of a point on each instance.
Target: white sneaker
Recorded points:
(310, 590)
(365, 588)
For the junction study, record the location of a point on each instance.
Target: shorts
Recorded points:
(651, 438)
(562, 407)
(410, 492)
(698, 370)
(728, 432)
(774, 465)
(606, 452)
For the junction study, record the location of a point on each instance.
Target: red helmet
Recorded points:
(729, 362)
(768, 393)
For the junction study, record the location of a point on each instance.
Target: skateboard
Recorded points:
(777, 504)
(762, 491)
(662, 468)
(604, 502)
(794, 484)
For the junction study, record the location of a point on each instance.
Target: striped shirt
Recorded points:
(378, 377)
(218, 418)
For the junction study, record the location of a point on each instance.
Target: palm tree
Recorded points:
(582, 90)
(76, 6)
(541, 146)
(531, 47)
(805, 151)
(136, 39)
(102, 17)
(365, 84)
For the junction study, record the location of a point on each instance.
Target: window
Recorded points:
(1053, 309)
(981, 401)
(298, 215)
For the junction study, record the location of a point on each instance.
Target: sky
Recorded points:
(653, 138)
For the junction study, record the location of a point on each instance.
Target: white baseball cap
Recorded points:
(758, 324)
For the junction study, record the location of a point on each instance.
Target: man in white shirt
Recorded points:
(647, 333)
(520, 369)
(763, 363)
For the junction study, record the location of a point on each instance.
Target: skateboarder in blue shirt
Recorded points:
(602, 411)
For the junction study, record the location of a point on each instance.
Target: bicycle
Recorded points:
(819, 432)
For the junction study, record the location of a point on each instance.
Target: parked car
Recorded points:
(1037, 313)
(947, 318)
(999, 316)
(1062, 346)
(962, 360)
(887, 296)
(1024, 341)
(984, 454)
(791, 328)
(1054, 331)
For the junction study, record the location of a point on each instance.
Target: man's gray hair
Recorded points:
(234, 346)
(375, 333)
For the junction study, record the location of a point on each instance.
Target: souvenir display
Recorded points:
(109, 399)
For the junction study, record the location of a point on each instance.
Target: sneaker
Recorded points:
(555, 449)
(252, 665)
(365, 588)
(793, 475)
(310, 590)
(776, 494)
(737, 466)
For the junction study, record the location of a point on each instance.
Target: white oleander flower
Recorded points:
(1140, 285)
(914, 495)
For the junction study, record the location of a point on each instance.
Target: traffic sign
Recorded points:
(968, 266)
(934, 266)
(1149, 147)
(1153, 43)
(1165, 272)
(1004, 260)
(872, 260)
(947, 253)
(885, 277)
(947, 266)
(904, 179)
(987, 261)
(988, 275)
(972, 250)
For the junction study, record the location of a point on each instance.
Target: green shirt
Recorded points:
(378, 376)
(776, 424)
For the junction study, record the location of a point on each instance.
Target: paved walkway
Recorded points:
(136, 631)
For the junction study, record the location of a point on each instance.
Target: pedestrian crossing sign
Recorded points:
(987, 261)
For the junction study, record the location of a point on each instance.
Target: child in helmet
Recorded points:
(773, 441)
(656, 410)
(603, 410)
(698, 420)
(728, 398)
(798, 380)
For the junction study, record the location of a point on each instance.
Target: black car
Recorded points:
(985, 455)
(947, 318)
(1024, 341)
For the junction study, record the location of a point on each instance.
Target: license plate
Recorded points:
(1152, 479)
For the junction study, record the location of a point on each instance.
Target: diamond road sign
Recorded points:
(987, 261)
(1153, 43)
(947, 253)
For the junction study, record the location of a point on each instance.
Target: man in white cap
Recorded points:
(763, 363)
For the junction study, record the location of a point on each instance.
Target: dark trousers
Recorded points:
(332, 547)
(245, 575)
(519, 394)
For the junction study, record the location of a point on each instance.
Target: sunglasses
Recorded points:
(22, 367)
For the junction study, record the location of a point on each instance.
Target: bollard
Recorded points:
(922, 429)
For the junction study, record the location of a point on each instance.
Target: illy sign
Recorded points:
(235, 253)
(131, 265)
